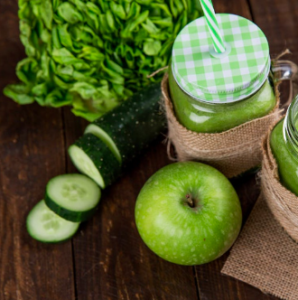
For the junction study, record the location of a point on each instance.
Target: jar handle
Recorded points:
(286, 70)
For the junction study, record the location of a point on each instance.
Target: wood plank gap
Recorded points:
(64, 139)
(66, 171)
(74, 270)
(250, 10)
(196, 281)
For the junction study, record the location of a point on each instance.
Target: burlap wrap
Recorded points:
(282, 202)
(265, 256)
(232, 152)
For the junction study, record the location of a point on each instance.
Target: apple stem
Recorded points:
(190, 201)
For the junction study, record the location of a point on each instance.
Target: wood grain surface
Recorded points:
(106, 259)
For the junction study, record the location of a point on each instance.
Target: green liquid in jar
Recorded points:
(287, 164)
(203, 117)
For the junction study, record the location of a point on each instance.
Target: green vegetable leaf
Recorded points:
(27, 69)
(63, 56)
(55, 38)
(110, 19)
(84, 89)
(19, 93)
(152, 47)
(69, 13)
(89, 116)
(150, 27)
(40, 89)
(91, 53)
(118, 10)
(114, 67)
(57, 98)
(46, 13)
(133, 11)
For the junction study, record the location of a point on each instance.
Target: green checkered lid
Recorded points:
(221, 78)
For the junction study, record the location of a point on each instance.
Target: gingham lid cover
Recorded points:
(226, 79)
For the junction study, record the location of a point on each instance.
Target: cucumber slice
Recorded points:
(85, 164)
(92, 157)
(73, 197)
(45, 226)
(130, 128)
(100, 133)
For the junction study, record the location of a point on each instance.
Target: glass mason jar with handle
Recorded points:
(284, 146)
(214, 92)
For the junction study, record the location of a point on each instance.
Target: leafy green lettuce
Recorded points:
(94, 54)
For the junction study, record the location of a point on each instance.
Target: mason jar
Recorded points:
(284, 146)
(215, 92)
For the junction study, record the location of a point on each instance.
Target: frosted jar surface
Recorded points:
(203, 117)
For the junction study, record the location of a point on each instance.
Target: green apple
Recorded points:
(188, 213)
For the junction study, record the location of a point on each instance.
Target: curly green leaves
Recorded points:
(94, 54)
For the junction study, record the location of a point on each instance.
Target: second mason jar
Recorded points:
(284, 146)
(215, 92)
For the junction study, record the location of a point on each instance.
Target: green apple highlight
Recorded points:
(188, 213)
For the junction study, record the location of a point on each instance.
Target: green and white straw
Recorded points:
(213, 27)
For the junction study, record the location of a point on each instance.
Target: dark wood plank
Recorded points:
(111, 260)
(31, 152)
(237, 7)
(211, 283)
(278, 20)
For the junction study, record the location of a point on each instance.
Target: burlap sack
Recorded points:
(282, 202)
(265, 256)
(232, 152)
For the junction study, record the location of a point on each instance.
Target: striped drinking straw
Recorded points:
(212, 23)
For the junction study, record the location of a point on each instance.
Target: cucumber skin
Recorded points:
(136, 123)
(102, 157)
(69, 215)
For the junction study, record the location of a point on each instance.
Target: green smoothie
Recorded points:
(206, 117)
(285, 158)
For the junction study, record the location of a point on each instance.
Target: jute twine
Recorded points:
(232, 152)
(282, 202)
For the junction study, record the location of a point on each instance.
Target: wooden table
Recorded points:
(106, 259)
